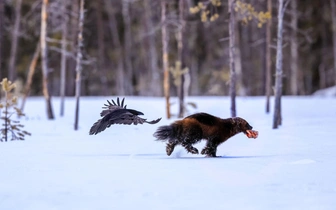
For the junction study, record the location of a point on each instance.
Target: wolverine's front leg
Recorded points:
(210, 149)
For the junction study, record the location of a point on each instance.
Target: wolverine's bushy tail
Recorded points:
(166, 132)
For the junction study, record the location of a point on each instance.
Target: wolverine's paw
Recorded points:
(205, 151)
(169, 149)
(211, 155)
(208, 152)
(192, 150)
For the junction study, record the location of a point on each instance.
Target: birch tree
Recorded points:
(277, 118)
(79, 61)
(44, 62)
(31, 72)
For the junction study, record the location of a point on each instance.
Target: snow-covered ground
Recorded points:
(57, 168)
(327, 92)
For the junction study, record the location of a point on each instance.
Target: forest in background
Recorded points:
(122, 46)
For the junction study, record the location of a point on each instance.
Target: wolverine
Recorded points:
(197, 127)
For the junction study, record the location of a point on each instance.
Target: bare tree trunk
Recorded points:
(194, 61)
(70, 80)
(238, 65)
(44, 57)
(232, 59)
(30, 75)
(180, 46)
(63, 55)
(154, 74)
(127, 46)
(2, 16)
(165, 37)
(322, 75)
(14, 44)
(294, 50)
(101, 48)
(79, 60)
(277, 118)
(323, 62)
(120, 77)
(268, 59)
(333, 16)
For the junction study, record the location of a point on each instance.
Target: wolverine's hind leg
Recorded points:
(192, 136)
(170, 147)
(190, 148)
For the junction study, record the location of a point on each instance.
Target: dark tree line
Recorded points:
(122, 46)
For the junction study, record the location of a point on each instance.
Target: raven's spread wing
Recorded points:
(112, 105)
(119, 116)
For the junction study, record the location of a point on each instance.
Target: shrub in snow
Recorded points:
(10, 129)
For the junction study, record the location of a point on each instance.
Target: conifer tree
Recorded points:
(10, 129)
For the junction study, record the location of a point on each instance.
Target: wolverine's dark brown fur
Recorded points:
(196, 127)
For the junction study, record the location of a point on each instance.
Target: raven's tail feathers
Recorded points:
(153, 121)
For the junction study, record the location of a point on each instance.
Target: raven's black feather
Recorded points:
(116, 113)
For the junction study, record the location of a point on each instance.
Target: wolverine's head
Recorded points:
(242, 124)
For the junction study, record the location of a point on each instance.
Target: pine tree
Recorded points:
(12, 129)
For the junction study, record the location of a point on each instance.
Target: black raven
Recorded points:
(117, 113)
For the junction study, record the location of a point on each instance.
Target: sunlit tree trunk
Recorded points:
(277, 118)
(232, 59)
(333, 16)
(14, 44)
(268, 59)
(44, 58)
(63, 55)
(79, 61)
(165, 66)
(31, 72)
